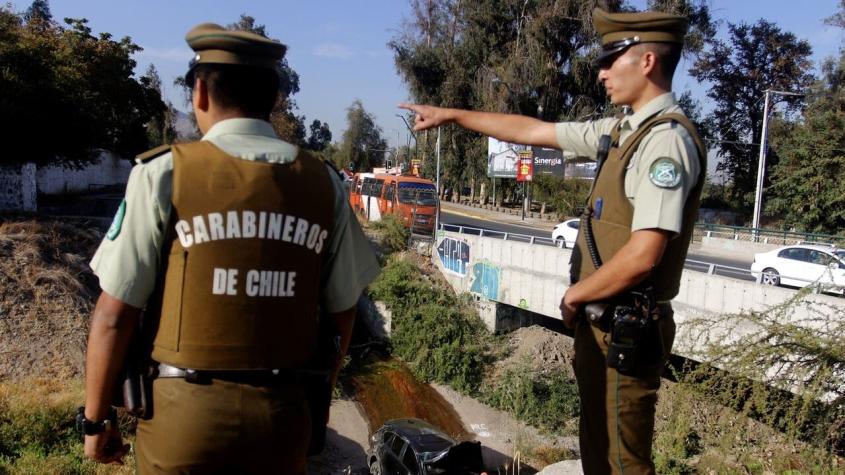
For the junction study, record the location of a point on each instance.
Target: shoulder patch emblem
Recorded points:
(665, 173)
(117, 222)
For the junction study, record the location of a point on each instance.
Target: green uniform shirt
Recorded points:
(655, 207)
(127, 261)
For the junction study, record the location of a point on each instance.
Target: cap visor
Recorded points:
(606, 57)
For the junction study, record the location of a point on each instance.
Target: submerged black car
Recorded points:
(415, 447)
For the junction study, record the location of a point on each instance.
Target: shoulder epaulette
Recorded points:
(152, 154)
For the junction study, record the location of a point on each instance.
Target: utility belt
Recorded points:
(263, 377)
(633, 325)
(134, 391)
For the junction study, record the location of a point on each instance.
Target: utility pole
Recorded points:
(410, 135)
(437, 193)
(761, 162)
(524, 199)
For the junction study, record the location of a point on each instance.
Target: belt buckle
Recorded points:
(192, 375)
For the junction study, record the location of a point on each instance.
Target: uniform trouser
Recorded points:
(224, 427)
(617, 411)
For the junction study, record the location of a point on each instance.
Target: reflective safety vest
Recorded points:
(242, 261)
(613, 228)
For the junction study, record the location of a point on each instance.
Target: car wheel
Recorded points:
(770, 277)
(375, 468)
(560, 242)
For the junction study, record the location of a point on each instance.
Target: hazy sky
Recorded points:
(339, 47)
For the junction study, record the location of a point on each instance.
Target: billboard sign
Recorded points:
(503, 158)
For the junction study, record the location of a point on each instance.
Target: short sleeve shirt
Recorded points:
(127, 261)
(655, 207)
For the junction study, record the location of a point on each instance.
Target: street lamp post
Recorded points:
(410, 135)
(761, 162)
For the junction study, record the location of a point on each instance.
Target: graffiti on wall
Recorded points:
(454, 255)
(485, 280)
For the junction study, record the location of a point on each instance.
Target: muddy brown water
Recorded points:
(387, 390)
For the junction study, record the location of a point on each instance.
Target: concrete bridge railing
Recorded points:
(534, 277)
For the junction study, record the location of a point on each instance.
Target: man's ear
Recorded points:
(648, 62)
(200, 95)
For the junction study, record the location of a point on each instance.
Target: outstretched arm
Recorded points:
(506, 127)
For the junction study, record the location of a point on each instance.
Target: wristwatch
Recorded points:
(88, 427)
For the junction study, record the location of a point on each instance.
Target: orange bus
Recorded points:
(413, 200)
(355, 199)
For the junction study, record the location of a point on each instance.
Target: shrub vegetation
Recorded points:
(548, 401)
(437, 333)
(393, 233)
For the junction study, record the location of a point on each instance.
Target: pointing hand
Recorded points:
(426, 116)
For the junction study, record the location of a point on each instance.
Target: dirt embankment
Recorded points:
(47, 292)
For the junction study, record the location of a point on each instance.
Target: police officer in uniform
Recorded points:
(232, 243)
(641, 213)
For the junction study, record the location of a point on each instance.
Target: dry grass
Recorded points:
(47, 292)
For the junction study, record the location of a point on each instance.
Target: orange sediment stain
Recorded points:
(390, 391)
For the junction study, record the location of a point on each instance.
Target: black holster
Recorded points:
(631, 321)
(134, 391)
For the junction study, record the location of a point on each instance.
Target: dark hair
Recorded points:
(668, 55)
(250, 90)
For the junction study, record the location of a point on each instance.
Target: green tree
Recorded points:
(753, 59)
(702, 29)
(67, 93)
(319, 136)
(38, 11)
(160, 130)
(812, 155)
(363, 145)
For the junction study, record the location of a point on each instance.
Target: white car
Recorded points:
(802, 265)
(565, 233)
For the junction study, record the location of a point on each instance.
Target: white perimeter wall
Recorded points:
(20, 184)
(108, 170)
